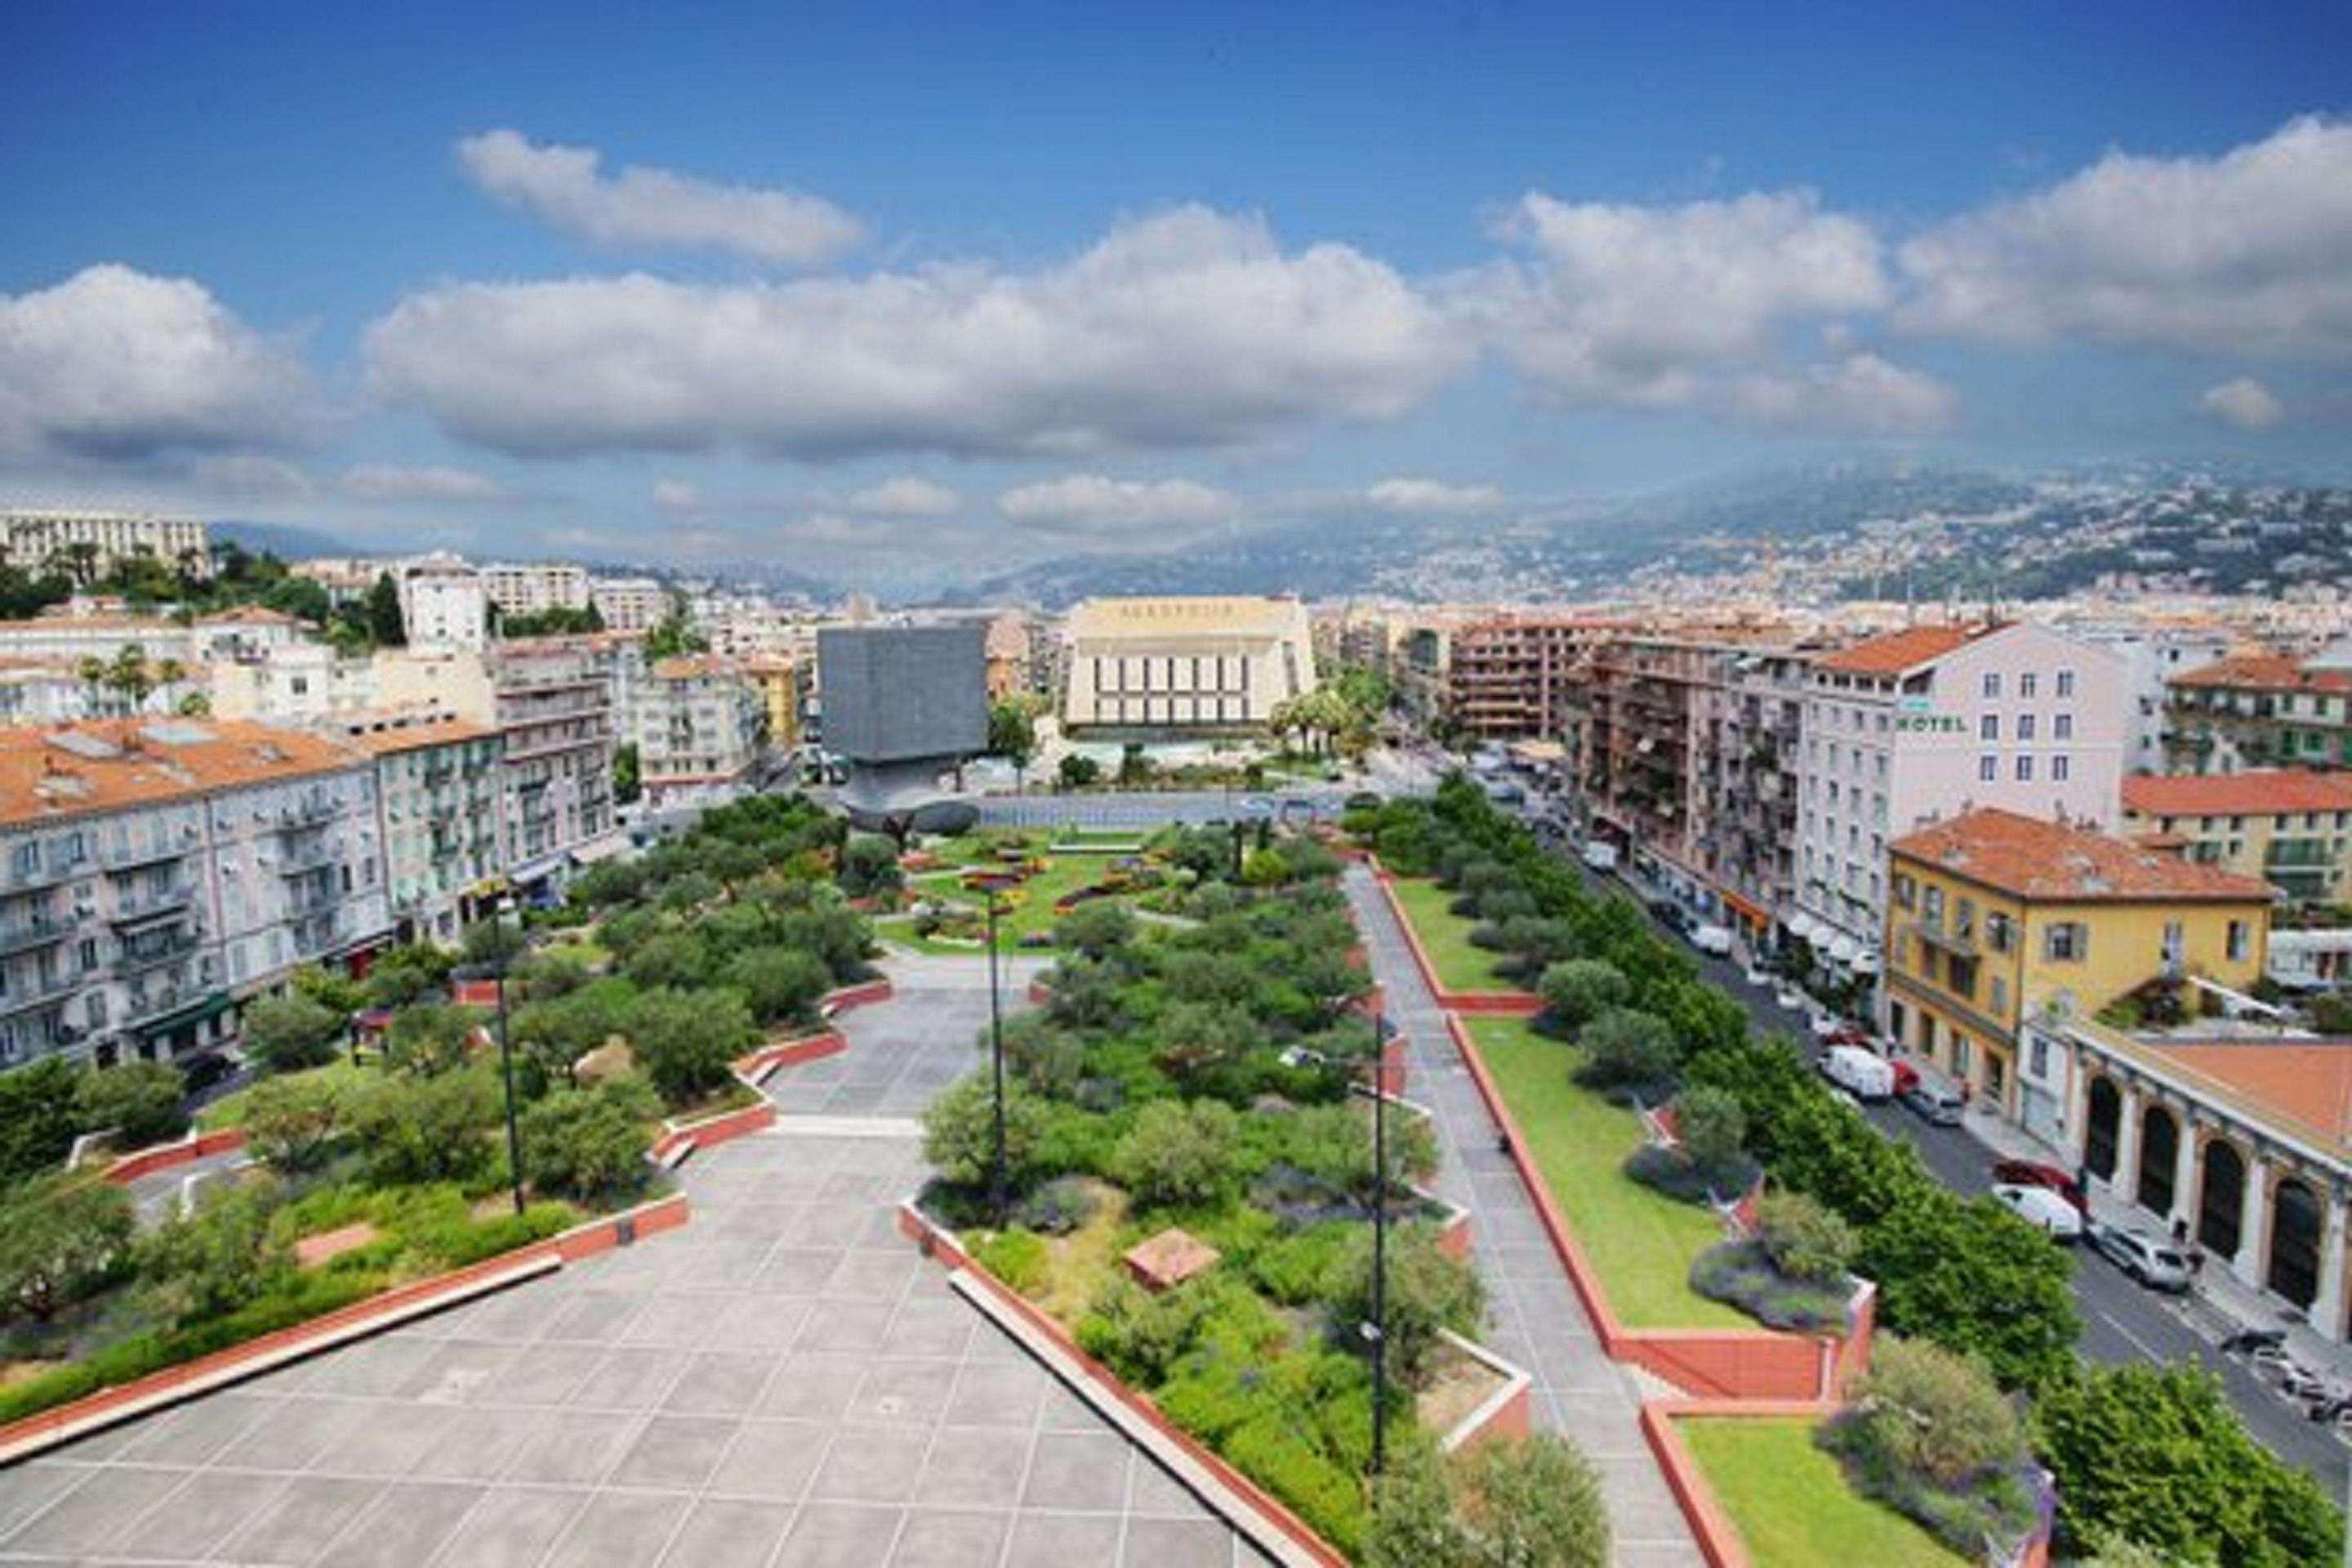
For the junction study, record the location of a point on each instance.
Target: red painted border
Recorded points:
(586, 1240)
(1503, 1003)
(185, 1150)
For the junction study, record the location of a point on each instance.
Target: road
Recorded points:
(2122, 1323)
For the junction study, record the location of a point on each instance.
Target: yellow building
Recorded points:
(2291, 829)
(1996, 917)
(782, 688)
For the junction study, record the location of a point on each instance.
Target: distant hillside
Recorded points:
(287, 542)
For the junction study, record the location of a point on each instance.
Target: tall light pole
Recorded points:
(1377, 1328)
(996, 1060)
(506, 1048)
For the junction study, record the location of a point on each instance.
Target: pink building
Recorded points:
(1923, 724)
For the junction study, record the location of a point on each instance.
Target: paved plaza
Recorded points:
(783, 1384)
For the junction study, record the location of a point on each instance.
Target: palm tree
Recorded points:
(169, 673)
(91, 672)
(130, 677)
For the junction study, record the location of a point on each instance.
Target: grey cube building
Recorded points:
(902, 705)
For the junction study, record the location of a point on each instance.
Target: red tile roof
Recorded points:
(1898, 651)
(2265, 672)
(2264, 790)
(2056, 862)
(2307, 1085)
(55, 774)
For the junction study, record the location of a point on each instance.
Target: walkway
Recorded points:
(1538, 1320)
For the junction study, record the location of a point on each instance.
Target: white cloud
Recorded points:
(1648, 307)
(1085, 503)
(116, 365)
(677, 495)
(1426, 497)
(648, 206)
(906, 495)
(2246, 253)
(2245, 403)
(1191, 329)
(391, 482)
(1860, 395)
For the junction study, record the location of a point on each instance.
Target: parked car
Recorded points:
(1863, 1074)
(1710, 938)
(1934, 1104)
(1599, 855)
(1758, 977)
(1791, 999)
(2035, 1174)
(1364, 800)
(1671, 915)
(2150, 1262)
(2043, 1208)
(1906, 1077)
(1828, 1026)
(204, 1072)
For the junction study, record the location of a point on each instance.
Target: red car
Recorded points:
(2034, 1173)
(1907, 1077)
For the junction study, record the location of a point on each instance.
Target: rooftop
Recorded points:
(2266, 673)
(2064, 862)
(2264, 790)
(2306, 1085)
(408, 736)
(109, 764)
(1895, 652)
(1227, 615)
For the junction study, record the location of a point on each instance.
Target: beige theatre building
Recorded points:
(1170, 668)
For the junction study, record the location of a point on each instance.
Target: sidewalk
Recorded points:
(2226, 1302)
(1538, 1321)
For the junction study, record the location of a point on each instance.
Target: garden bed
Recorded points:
(1790, 1500)
(1457, 964)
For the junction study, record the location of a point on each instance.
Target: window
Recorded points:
(2024, 770)
(1999, 931)
(1988, 768)
(2067, 942)
(1964, 916)
(2241, 940)
(1907, 891)
(1990, 685)
(2066, 683)
(2025, 726)
(1932, 911)
(2029, 686)
(1989, 727)
(2061, 726)
(2037, 1057)
(2060, 769)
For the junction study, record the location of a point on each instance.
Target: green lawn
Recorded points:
(1446, 936)
(229, 1110)
(1641, 1242)
(1792, 1505)
(1064, 873)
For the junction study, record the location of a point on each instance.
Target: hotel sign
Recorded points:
(1929, 723)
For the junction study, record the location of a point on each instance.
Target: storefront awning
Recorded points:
(196, 1011)
(597, 849)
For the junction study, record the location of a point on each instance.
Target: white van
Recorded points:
(1599, 855)
(1709, 937)
(1865, 1075)
(2043, 1208)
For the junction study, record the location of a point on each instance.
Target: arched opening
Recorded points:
(2294, 1242)
(2102, 1128)
(2159, 1157)
(2222, 1198)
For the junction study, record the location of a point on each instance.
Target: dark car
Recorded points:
(1671, 915)
(205, 1071)
(1936, 1107)
(2035, 1174)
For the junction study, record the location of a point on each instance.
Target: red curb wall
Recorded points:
(1485, 1004)
(724, 1127)
(792, 1053)
(863, 993)
(597, 1236)
(941, 1245)
(474, 992)
(1724, 1364)
(1040, 992)
(187, 1151)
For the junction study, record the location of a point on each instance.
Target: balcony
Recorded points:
(40, 930)
(44, 874)
(40, 991)
(130, 858)
(307, 814)
(162, 1006)
(144, 956)
(151, 903)
(299, 860)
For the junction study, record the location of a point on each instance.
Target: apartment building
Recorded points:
(310, 683)
(438, 790)
(783, 685)
(2293, 829)
(91, 543)
(154, 874)
(1514, 676)
(74, 637)
(1005, 646)
(1184, 665)
(554, 713)
(1997, 918)
(698, 730)
(1747, 734)
(2153, 657)
(2259, 710)
(531, 587)
(1927, 723)
(444, 603)
(630, 605)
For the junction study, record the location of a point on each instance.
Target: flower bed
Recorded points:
(1789, 1505)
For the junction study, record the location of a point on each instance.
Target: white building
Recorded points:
(531, 587)
(629, 604)
(2151, 658)
(1920, 724)
(156, 874)
(444, 603)
(102, 636)
(37, 536)
(1185, 665)
(554, 711)
(699, 721)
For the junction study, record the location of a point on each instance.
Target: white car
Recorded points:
(1756, 976)
(1828, 1026)
(1711, 939)
(2043, 1208)
(1599, 855)
(1791, 999)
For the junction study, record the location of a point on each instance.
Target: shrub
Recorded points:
(1138, 1334)
(779, 983)
(1426, 1291)
(1531, 1502)
(687, 1041)
(289, 1033)
(1018, 1258)
(1804, 1240)
(1741, 1274)
(1625, 1049)
(425, 1129)
(290, 1122)
(1059, 1206)
(1096, 929)
(1930, 1434)
(557, 1034)
(429, 1038)
(960, 1131)
(1277, 1456)
(1676, 1174)
(590, 1143)
(869, 865)
(1294, 1269)
(38, 1116)
(140, 1100)
(1265, 868)
(1197, 1036)
(1711, 1127)
(669, 958)
(1579, 990)
(61, 1241)
(1178, 1153)
(204, 1264)
(491, 941)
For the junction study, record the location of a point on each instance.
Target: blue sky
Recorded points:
(894, 292)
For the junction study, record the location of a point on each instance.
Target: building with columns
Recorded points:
(2241, 1134)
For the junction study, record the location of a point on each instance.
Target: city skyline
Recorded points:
(817, 296)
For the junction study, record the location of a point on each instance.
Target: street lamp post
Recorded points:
(996, 1062)
(1377, 1328)
(506, 1052)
